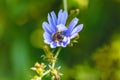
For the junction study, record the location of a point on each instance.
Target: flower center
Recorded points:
(58, 36)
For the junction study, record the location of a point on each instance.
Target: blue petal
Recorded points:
(77, 29)
(61, 27)
(73, 36)
(53, 44)
(54, 18)
(65, 39)
(65, 42)
(58, 44)
(71, 26)
(47, 42)
(53, 27)
(47, 27)
(64, 17)
(59, 17)
(47, 38)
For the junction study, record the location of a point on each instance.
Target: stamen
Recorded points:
(58, 36)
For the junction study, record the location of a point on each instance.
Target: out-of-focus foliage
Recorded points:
(107, 59)
(81, 72)
(95, 57)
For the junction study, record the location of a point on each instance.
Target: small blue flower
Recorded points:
(56, 33)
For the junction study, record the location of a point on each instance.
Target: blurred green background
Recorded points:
(95, 57)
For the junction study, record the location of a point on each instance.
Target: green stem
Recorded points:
(56, 55)
(58, 52)
(65, 4)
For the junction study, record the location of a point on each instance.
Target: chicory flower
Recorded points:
(56, 33)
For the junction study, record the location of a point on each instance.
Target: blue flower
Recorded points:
(56, 33)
